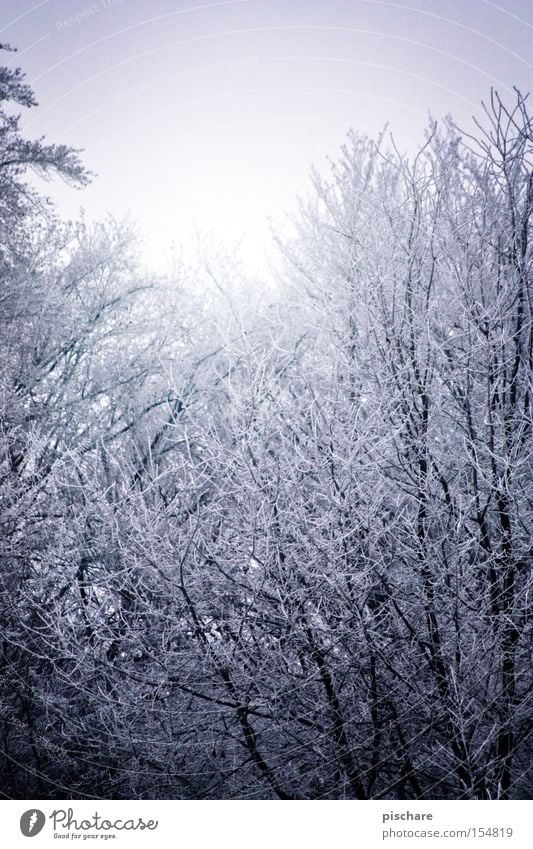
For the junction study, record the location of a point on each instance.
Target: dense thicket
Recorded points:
(272, 548)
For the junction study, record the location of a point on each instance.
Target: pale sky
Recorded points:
(211, 114)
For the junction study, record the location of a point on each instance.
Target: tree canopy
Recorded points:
(272, 546)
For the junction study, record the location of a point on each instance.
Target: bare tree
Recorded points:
(274, 547)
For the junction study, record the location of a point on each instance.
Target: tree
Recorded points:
(275, 547)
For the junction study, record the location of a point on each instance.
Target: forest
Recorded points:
(270, 539)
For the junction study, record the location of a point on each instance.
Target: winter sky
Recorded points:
(211, 114)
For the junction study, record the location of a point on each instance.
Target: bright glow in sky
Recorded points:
(210, 114)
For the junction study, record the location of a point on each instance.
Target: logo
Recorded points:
(32, 822)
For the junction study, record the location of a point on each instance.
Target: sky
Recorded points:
(209, 115)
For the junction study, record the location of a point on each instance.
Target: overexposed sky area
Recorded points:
(210, 115)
